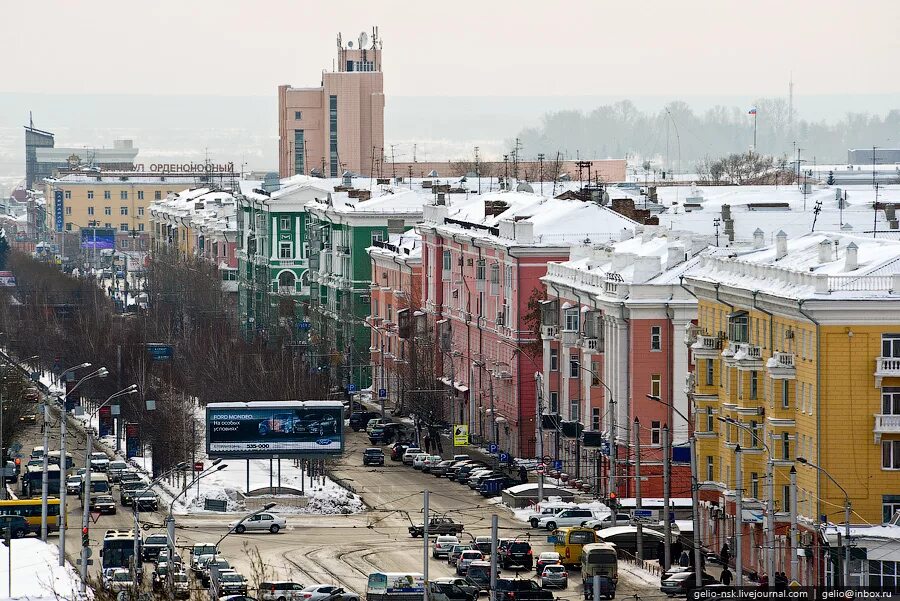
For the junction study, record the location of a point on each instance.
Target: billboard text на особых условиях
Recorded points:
(265, 428)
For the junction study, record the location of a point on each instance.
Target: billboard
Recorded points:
(58, 210)
(267, 428)
(98, 238)
(133, 447)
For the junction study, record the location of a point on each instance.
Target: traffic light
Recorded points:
(85, 537)
(613, 502)
(830, 178)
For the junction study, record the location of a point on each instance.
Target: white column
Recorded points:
(586, 377)
(621, 367)
(679, 372)
(564, 357)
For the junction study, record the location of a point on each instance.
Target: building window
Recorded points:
(574, 409)
(890, 400)
(754, 384)
(554, 359)
(123, 227)
(285, 250)
(754, 485)
(107, 224)
(68, 194)
(447, 264)
(107, 195)
(298, 115)
(710, 372)
(140, 211)
(123, 244)
(786, 446)
(299, 151)
(123, 194)
(656, 385)
(479, 269)
(140, 227)
(90, 194)
(68, 210)
(655, 338)
(786, 497)
(595, 373)
(123, 210)
(738, 327)
(68, 226)
(107, 210)
(284, 223)
(785, 394)
(710, 474)
(333, 134)
(710, 420)
(390, 312)
(595, 419)
(377, 236)
(890, 345)
(495, 279)
(157, 195)
(90, 210)
(571, 321)
(890, 454)
(754, 434)
(890, 504)
(574, 368)
(554, 403)
(140, 195)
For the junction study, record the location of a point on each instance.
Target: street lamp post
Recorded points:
(137, 510)
(63, 518)
(86, 483)
(847, 506)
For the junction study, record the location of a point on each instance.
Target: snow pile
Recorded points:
(36, 574)
(331, 500)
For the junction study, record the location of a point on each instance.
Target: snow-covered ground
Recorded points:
(36, 574)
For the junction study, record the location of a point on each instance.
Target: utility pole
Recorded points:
(637, 489)
(795, 561)
(612, 445)
(695, 514)
(739, 517)
(493, 596)
(478, 169)
(44, 478)
(539, 418)
(667, 493)
(425, 541)
(63, 464)
(541, 168)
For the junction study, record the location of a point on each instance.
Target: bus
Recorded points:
(118, 549)
(30, 509)
(32, 480)
(99, 484)
(599, 559)
(568, 542)
(395, 586)
(53, 458)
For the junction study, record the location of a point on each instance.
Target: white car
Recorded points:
(431, 461)
(117, 579)
(409, 453)
(99, 462)
(419, 460)
(465, 560)
(280, 590)
(259, 523)
(622, 519)
(548, 509)
(443, 545)
(566, 517)
(317, 592)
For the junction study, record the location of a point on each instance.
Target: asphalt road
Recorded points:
(338, 549)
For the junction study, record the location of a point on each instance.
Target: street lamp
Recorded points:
(822, 470)
(64, 464)
(770, 493)
(136, 510)
(235, 528)
(86, 483)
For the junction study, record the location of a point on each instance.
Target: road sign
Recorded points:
(460, 435)
(557, 465)
(198, 466)
(604, 447)
(492, 448)
(646, 515)
(547, 458)
(540, 468)
(95, 515)
(304, 325)
(382, 393)
(160, 352)
(504, 457)
(351, 387)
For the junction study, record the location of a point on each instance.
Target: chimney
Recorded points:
(759, 238)
(825, 251)
(507, 229)
(726, 212)
(675, 254)
(851, 261)
(645, 268)
(780, 245)
(524, 232)
(729, 229)
(621, 260)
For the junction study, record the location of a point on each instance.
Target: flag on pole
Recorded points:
(752, 111)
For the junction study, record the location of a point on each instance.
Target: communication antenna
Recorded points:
(363, 40)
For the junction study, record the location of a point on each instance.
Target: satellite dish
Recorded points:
(363, 39)
(350, 44)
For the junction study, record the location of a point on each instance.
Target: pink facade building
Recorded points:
(612, 330)
(482, 270)
(338, 125)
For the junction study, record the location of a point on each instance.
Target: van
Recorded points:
(359, 419)
(37, 453)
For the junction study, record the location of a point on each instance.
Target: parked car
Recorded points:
(409, 453)
(397, 450)
(341, 595)
(375, 421)
(359, 419)
(103, 504)
(260, 522)
(440, 469)
(419, 460)
(682, 583)
(462, 475)
(443, 544)
(376, 435)
(480, 476)
(153, 544)
(220, 564)
(437, 527)
(547, 558)
(514, 589)
(622, 519)
(566, 517)
(548, 509)
(518, 553)
(430, 462)
(555, 576)
(16, 524)
(451, 471)
(466, 586)
(280, 590)
(373, 456)
(441, 590)
(456, 551)
(466, 559)
(494, 485)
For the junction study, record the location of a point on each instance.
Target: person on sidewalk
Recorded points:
(726, 577)
(523, 475)
(685, 559)
(725, 554)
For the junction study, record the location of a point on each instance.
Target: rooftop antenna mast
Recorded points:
(816, 211)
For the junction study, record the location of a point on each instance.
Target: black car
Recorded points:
(153, 544)
(509, 589)
(127, 490)
(16, 524)
(145, 501)
(103, 504)
(517, 553)
(359, 419)
(373, 456)
(317, 426)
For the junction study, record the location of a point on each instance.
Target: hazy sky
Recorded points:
(461, 47)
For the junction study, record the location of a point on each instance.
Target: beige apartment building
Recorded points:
(339, 124)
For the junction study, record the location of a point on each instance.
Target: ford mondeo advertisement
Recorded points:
(266, 428)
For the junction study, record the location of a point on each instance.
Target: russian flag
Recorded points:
(752, 111)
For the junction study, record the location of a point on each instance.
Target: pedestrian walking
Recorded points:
(726, 577)
(725, 554)
(685, 559)
(523, 475)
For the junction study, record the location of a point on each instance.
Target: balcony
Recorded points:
(591, 345)
(747, 356)
(691, 332)
(886, 424)
(886, 367)
(569, 337)
(707, 347)
(781, 366)
(549, 332)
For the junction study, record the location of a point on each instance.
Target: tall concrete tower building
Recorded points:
(339, 125)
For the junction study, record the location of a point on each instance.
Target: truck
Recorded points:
(395, 586)
(437, 527)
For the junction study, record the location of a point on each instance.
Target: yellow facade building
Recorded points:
(797, 354)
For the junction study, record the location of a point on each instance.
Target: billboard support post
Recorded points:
(270, 475)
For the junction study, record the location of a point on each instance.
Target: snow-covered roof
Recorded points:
(213, 210)
(407, 246)
(815, 265)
